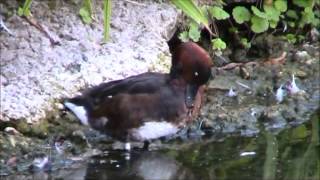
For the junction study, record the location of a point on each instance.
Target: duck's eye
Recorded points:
(196, 73)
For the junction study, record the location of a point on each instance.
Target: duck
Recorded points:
(150, 105)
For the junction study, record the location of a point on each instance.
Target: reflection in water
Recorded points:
(142, 165)
(270, 163)
(291, 154)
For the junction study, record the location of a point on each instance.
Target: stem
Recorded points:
(254, 35)
(215, 28)
(230, 22)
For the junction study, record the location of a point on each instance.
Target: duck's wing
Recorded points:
(142, 83)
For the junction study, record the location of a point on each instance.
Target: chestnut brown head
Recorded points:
(193, 64)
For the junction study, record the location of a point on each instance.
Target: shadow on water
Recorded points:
(290, 154)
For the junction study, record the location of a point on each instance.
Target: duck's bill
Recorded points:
(191, 92)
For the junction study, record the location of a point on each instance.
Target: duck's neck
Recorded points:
(176, 79)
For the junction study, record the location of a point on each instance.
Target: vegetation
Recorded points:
(264, 16)
(267, 15)
(85, 12)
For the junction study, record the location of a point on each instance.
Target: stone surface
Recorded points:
(34, 74)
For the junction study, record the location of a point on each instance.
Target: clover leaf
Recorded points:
(281, 5)
(218, 13)
(218, 44)
(241, 14)
(194, 32)
(259, 24)
(258, 13)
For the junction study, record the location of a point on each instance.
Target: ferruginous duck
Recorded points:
(149, 105)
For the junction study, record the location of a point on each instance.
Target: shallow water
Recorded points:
(291, 153)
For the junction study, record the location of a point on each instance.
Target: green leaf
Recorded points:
(183, 36)
(303, 3)
(245, 43)
(273, 24)
(218, 13)
(25, 10)
(218, 44)
(233, 30)
(272, 13)
(258, 24)
(316, 22)
(86, 11)
(301, 38)
(292, 14)
(281, 5)
(307, 17)
(291, 24)
(241, 14)
(193, 11)
(291, 38)
(20, 11)
(204, 10)
(85, 15)
(194, 32)
(106, 19)
(258, 13)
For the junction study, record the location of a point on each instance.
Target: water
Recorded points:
(291, 154)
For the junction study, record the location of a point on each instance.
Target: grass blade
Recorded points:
(107, 18)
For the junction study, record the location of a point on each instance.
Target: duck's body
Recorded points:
(149, 105)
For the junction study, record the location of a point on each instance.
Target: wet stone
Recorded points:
(301, 56)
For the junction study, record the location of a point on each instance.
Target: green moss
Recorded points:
(23, 127)
(39, 130)
(162, 64)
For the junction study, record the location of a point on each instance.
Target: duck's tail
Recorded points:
(79, 107)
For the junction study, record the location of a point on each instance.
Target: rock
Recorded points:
(12, 161)
(11, 130)
(3, 80)
(301, 56)
(314, 35)
(301, 74)
(37, 73)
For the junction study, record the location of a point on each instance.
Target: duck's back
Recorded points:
(141, 107)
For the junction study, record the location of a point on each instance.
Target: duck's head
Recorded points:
(193, 64)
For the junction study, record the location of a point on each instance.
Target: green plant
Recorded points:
(25, 10)
(218, 44)
(107, 19)
(85, 12)
(246, 44)
(241, 14)
(192, 33)
(255, 19)
(193, 11)
(218, 13)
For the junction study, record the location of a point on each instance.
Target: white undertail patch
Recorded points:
(153, 130)
(79, 111)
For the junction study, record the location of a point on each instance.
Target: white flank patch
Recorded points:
(79, 111)
(153, 130)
